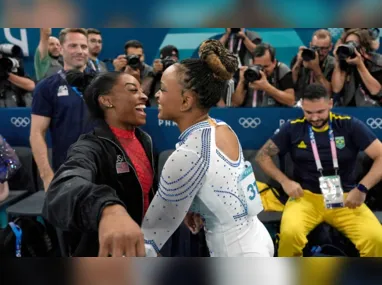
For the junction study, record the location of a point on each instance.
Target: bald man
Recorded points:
(47, 60)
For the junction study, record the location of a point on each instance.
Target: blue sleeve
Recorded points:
(43, 100)
(361, 134)
(282, 138)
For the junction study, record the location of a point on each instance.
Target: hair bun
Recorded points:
(220, 60)
(79, 79)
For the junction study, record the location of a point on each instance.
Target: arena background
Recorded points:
(285, 40)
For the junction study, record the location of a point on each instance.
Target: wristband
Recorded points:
(362, 188)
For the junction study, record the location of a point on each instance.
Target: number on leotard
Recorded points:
(252, 188)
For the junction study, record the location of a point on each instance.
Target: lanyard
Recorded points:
(95, 67)
(75, 89)
(332, 148)
(231, 42)
(18, 237)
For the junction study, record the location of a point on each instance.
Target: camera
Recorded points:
(133, 61)
(7, 61)
(234, 31)
(309, 54)
(253, 73)
(347, 50)
(11, 50)
(9, 64)
(167, 62)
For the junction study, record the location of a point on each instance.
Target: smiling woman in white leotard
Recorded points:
(207, 173)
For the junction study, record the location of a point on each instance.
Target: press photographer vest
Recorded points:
(354, 90)
(12, 96)
(304, 76)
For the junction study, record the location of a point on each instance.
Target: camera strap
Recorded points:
(257, 97)
(75, 89)
(231, 45)
(238, 48)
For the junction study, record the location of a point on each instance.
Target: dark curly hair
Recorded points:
(207, 75)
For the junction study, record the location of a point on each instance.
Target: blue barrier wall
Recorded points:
(286, 41)
(252, 125)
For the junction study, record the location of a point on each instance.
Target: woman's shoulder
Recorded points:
(87, 142)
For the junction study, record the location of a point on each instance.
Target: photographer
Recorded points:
(151, 84)
(242, 43)
(47, 59)
(268, 83)
(314, 64)
(357, 74)
(14, 85)
(133, 61)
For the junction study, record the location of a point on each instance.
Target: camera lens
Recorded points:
(9, 64)
(308, 54)
(346, 50)
(167, 62)
(253, 73)
(133, 61)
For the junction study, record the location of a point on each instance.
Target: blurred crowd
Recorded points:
(350, 69)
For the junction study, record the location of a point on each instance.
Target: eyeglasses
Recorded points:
(93, 41)
(321, 48)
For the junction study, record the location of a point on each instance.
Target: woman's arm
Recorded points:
(73, 200)
(182, 177)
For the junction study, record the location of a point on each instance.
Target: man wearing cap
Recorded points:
(168, 55)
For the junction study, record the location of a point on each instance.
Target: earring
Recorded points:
(110, 106)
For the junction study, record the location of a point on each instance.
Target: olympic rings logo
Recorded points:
(20, 121)
(249, 122)
(374, 123)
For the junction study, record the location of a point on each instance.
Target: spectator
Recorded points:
(9, 165)
(168, 55)
(110, 171)
(319, 69)
(133, 48)
(241, 42)
(358, 78)
(324, 147)
(47, 59)
(273, 89)
(95, 48)
(60, 107)
(15, 85)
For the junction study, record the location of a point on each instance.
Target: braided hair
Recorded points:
(207, 75)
